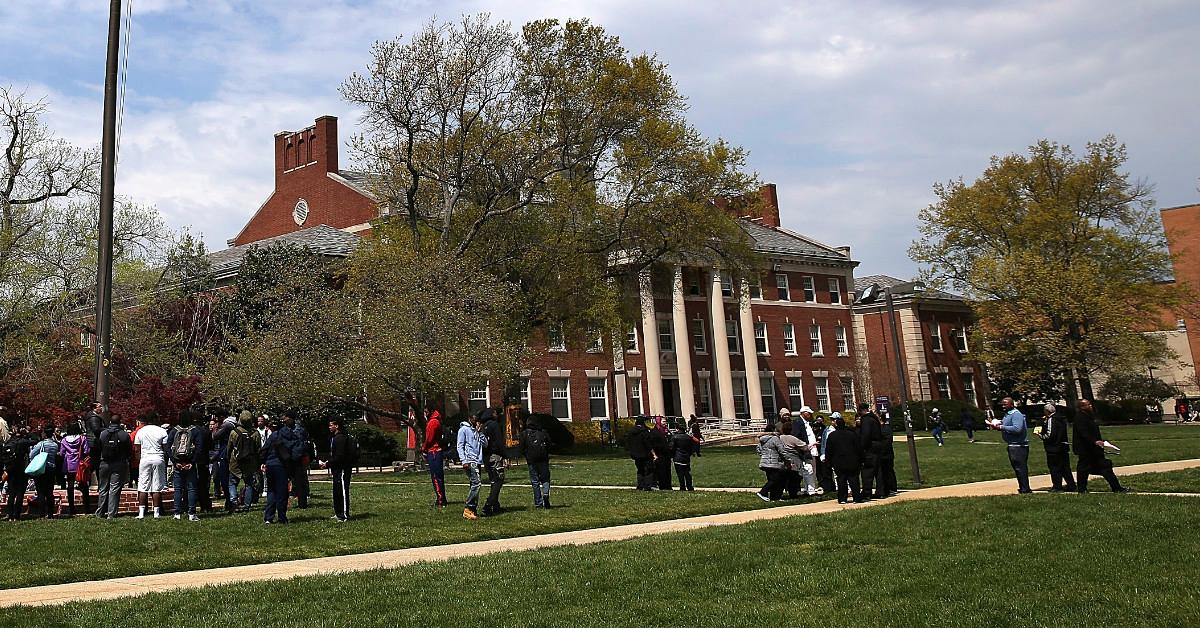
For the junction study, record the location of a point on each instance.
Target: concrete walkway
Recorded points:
(138, 585)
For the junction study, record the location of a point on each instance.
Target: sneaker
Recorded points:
(469, 514)
(546, 503)
(193, 518)
(177, 517)
(763, 497)
(341, 520)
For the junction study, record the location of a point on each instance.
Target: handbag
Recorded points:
(37, 465)
(84, 472)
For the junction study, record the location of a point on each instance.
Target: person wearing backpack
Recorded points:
(434, 450)
(276, 456)
(343, 453)
(185, 451)
(535, 446)
(16, 456)
(237, 445)
(116, 449)
(302, 451)
(43, 479)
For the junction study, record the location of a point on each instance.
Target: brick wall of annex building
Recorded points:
(1182, 227)
(304, 161)
(881, 355)
(949, 358)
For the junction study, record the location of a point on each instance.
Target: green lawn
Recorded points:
(1040, 560)
(1185, 481)
(955, 463)
(385, 517)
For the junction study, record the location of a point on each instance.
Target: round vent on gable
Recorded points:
(300, 213)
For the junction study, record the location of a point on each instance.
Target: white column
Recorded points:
(652, 391)
(750, 354)
(683, 347)
(720, 348)
(619, 380)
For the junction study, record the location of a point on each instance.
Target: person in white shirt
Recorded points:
(151, 446)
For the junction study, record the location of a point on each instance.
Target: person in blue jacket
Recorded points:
(1013, 428)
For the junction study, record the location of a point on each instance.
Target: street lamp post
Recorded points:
(908, 429)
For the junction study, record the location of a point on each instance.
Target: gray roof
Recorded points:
(772, 240)
(862, 283)
(321, 239)
(360, 181)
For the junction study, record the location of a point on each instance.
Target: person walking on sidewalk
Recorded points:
(470, 453)
(343, 453)
(495, 461)
(535, 446)
(637, 443)
(434, 454)
(1058, 449)
(1013, 429)
(1089, 446)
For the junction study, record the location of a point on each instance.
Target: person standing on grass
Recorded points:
(535, 446)
(470, 445)
(1013, 429)
(968, 424)
(885, 471)
(342, 454)
(44, 482)
(187, 455)
(1089, 446)
(431, 447)
(74, 451)
(870, 436)
(242, 451)
(16, 456)
(843, 453)
(275, 456)
(661, 447)
(1058, 450)
(823, 471)
(263, 427)
(938, 426)
(115, 451)
(792, 449)
(301, 462)
(637, 443)
(494, 461)
(150, 447)
(802, 429)
(693, 426)
(683, 446)
(771, 460)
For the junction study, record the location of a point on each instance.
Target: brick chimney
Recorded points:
(769, 210)
(315, 147)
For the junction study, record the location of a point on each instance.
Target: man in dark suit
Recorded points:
(1089, 446)
(843, 453)
(870, 437)
(1058, 450)
(637, 442)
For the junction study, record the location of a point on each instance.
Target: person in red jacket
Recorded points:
(434, 455)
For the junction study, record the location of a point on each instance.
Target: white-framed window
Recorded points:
(760, 338)
(822, 393)
(598, 397)
(596, 343)
(699, 344)
(526, 397)
(560, 398)
(943, 384)
(789, 339)
(731, 337)
(814, 338)
(935, 337)
(847, 392)
(810, 290)
(666, 337)
(795, 393)
(740, 407)
(631, 340)
(960, 339)
(726, 285)
(839, 334)
(479, 399)
(85, 339)
(781, 282)
(555, 340)
(705, 407)
(635, 396)
(835, 290)
(755, 283)
(767, 385)
(969, 389)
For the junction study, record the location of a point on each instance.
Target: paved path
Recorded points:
(138, 585)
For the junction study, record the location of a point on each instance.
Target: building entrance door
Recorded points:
(671, 397)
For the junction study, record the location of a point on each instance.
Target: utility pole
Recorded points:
(108, 162)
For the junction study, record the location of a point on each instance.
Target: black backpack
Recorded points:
(537, 445)
(8, 454)
(444, 439)
(110, 444)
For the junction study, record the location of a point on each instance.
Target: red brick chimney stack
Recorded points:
(316, 146)
(770, 205)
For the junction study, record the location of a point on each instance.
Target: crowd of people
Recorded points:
(203, 458)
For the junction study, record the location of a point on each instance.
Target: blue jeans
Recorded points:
(472, 470)
(539, 478)
(437, 473)
(235, 497)
(277, 493)
(185, 480)
(940, 435)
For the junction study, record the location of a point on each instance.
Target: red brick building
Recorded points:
(705, 344)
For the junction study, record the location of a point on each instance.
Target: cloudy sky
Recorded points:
(853, 108)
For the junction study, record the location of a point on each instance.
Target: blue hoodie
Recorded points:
(470, 444)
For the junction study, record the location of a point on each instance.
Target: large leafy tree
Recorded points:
(1063, 256)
